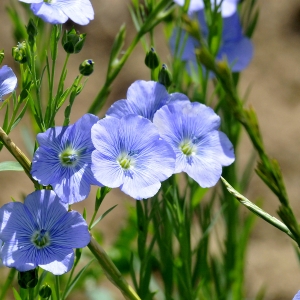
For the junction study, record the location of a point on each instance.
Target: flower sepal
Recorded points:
(73, 41)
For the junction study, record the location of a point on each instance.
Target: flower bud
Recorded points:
(1, 55)
(19, 53)
(164, 76)
(45, 291)
(151, 59)
(28, 279)
(32, 32)
(72, 41)
(87, 67)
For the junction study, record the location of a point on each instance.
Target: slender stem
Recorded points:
(17, 154)
(258, 211)
(57, 287)
(7, 283)
(111, 271)
(31, 294)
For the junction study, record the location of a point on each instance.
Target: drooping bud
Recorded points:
(151, 59)
(28, 279)
(87, 67)
(45, 291)
(19, 53)
(164, 76)
(72, 41)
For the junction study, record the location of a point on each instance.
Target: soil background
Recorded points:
(274, 81)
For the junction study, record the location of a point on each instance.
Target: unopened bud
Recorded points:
(151, 59)
(19, 53)
(45, 291)
(28, 279)
(72, 41)
(87, 67)
(164, 76)
(1, 55)
(32, 32)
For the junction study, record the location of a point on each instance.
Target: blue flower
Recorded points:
(63, 159)
(8, 81)
(131, 155)
(41, 232)
(235, 47)
(144, 98)
(297, 296)
(59, 11)
(192, 131)
(227, 7)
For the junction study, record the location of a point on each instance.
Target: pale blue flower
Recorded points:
(41, 232)
(131, 155)
(59, 11)
(63, 159)
(235, 48)
(227, 7)
(8, 81)
(297, 296)
(144, 98)
(192, 131)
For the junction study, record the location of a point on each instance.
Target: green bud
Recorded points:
(32, 32)
(19, 53)
(164, 76)
(87, 67)
(1, 55)
(151, 59)
(28, 279)
(73, 41)
(45, 291)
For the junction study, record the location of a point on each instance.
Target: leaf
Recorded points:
(16, 294)
(73, 283)
(102, 216)
(10, 166)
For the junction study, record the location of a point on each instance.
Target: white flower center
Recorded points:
(69, 157)
(41, 238)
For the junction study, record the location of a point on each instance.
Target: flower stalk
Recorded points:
(111, 271)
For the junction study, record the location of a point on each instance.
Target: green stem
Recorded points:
(111, 271)
(8, 283)
(17, 154)
(57, 287)
(258, 211)
(31, 294)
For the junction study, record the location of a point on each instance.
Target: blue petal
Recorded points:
(71, 183)
(154, 159)
(79, 11)
(144, 98)
(19, 257)
(49, 13)
(14, 219)
(8, 81)
(64, 259)
(297, 296)
(181, 121)
(238, 54)
(71, 231)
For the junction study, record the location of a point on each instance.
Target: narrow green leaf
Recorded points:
(10, 166)
(16, 294)
(73, 283)
(5, 122)
(102, 216)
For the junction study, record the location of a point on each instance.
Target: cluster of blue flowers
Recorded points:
(141, 142)
(236, 48)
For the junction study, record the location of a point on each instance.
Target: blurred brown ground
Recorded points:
(274, 79)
